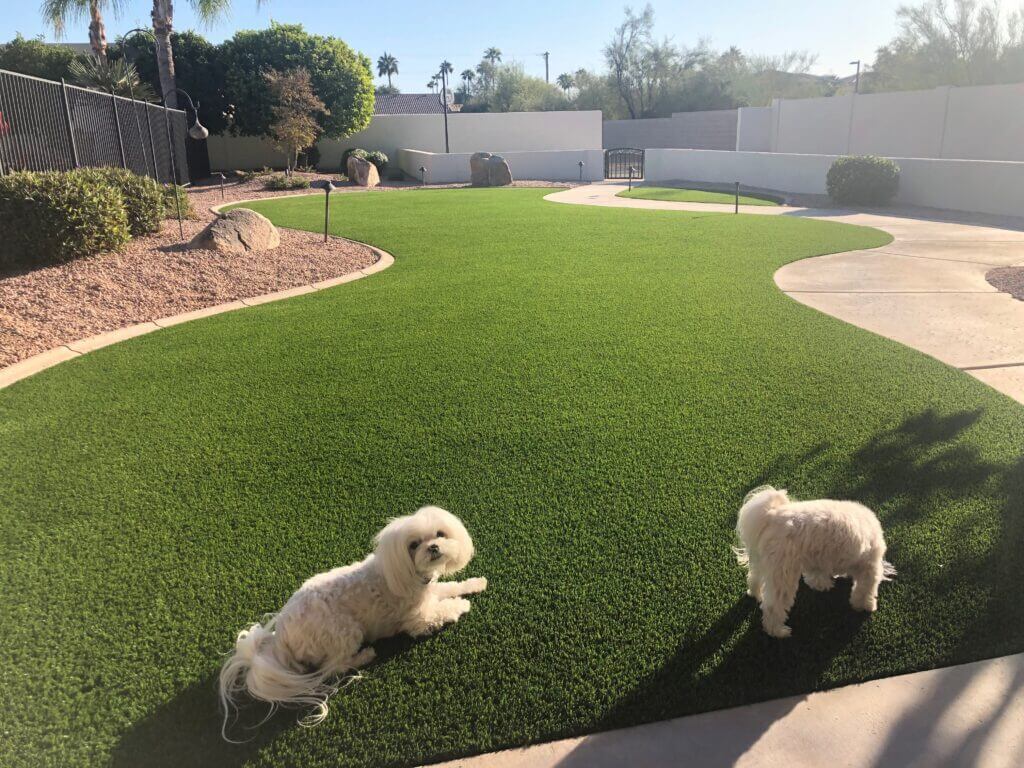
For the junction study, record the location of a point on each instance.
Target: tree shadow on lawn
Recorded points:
(186, 731)
(901, 472)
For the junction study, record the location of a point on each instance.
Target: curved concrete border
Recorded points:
(51, 357)
(926, 289)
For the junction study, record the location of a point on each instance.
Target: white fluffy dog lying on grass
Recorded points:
(782, 540)
(319, 634)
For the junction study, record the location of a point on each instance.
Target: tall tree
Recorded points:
(387, 65)
(296, 111)
(492, 56)
(639, 65)
(163, 26)
(468, 76)
(59, 12)
(565, 81)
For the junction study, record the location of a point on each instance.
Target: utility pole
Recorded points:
(547, 79)
(856, 79)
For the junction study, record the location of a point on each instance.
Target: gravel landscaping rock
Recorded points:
(1007, 279)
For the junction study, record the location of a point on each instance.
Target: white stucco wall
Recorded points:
(550, 165)
(979, 186)
(471, 132)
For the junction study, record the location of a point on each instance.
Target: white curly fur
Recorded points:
(783, 539)
(320, 633)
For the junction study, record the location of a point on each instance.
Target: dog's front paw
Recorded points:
(476, 584)
(869, 604)
(780, 631)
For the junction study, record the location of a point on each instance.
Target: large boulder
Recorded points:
(362, 172)
(498, 172)
(238, 231)
(478, 175)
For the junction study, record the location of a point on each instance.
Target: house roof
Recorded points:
(410, 104)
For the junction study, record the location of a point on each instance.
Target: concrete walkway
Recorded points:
(926, 289)
(970, 715)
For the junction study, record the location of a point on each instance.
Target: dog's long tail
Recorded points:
(753, 516)
(253, 668)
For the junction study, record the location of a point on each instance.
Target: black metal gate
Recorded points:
(617, 163)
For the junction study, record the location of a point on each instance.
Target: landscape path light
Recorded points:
(423, 174)
(328, 188)
(581, 164)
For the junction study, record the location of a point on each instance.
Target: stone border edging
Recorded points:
(51, 357)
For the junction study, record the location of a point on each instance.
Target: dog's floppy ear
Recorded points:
(393, 553)
(458, 532)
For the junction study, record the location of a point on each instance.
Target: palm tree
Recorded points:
(57, 13)
(433, 83)
(492, 55)
(163, 25)
(468, 76)
(387, 65)
(118, 77)
(565, 81)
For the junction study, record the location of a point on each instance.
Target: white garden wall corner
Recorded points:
(976, 186)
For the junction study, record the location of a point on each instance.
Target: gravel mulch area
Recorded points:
(154, 276)
(1007, 279)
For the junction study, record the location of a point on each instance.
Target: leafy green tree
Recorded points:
(340, 77)
(31, 56)
(199, 71)
(387, 65)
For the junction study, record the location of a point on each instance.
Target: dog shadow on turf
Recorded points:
(902, 471)
(186, 731)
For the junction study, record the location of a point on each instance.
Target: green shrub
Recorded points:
(255, 173)
(279, 182)
(143, 198)
(56, 216)
(170, 210)
(863, 180)
(378, 158)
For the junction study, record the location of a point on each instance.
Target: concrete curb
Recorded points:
(51, 357)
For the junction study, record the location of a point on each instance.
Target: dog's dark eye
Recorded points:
(413, 544)
(440, 534)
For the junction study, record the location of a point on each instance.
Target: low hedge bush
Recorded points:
(280, 182)
(170, 210)
(863, 180)
(144, 199)
(56, 216)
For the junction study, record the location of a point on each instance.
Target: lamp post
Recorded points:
(423, 175)
(328, 188)
(736, 208)
(632, 170)
(856, 79)
(221, 174)
(198, 131)
(581, 164)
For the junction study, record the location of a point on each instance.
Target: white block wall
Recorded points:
(979, 186)
(552, 165)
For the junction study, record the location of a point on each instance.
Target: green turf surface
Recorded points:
(592, 389)
(678, 195)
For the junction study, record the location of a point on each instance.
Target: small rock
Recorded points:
(362, 173)
(238, 231)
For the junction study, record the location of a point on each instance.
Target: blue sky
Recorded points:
(574, 31)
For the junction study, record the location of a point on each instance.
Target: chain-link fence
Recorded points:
(51, 126)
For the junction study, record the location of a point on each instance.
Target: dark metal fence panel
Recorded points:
(619, 161)
(33, 130)
(48, 126)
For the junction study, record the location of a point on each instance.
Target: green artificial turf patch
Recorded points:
(591, 389)
(679, 195)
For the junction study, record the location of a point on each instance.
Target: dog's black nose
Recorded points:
(433, 549)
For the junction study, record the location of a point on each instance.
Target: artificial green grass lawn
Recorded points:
(591, 389)
(679, 195)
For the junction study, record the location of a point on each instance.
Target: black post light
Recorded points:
(581, 164)
(631, 171)
(856, 79)
(221, 174)
(423, 175)
(736, 209)
(198, 131)
(328, 188)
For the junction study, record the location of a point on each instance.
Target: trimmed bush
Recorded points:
(379, 159)
(170, 210)
(53, 217)
(863, 180)
(279, 182)
(143, 198)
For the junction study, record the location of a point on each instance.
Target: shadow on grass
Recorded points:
(903, 471)
(186, 731)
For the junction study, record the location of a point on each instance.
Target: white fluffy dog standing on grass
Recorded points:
(319, 634)
(783, 540)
